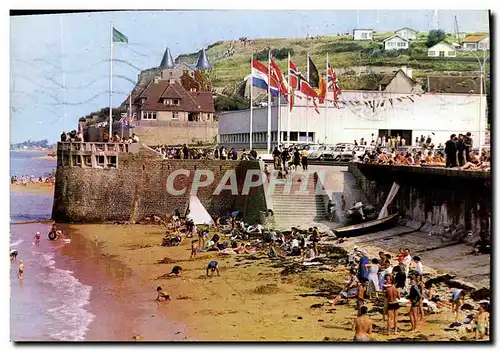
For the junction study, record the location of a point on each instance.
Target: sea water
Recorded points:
(49, 303)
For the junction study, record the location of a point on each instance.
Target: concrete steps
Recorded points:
(298, 205)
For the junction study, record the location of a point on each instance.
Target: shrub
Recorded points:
(278, 54)
(230, 103)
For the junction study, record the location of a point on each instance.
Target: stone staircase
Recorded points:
(295, 202)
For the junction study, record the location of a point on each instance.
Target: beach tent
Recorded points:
(198, 213)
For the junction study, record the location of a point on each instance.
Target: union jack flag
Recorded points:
(333, 83)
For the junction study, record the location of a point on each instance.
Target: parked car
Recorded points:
(357, 152)
(318, 153)
(335, 152)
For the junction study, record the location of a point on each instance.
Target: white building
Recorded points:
(396, 43)
(442, 49)
(476, 42)
(407, 33)
(362, 34)
(441, 114)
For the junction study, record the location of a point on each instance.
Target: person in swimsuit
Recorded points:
(13, 255)
(421, 286)
(481, 322)
(362, 325)
(20, 270)
(392, 296)
(414, 296)
(162, 295)
(212, 267)
(360, 298)
(177, 270)
(194, 248)
(457, 300)
(37, 238)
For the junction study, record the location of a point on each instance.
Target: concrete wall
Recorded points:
(441, 114)
(136, 188)
(436, 196)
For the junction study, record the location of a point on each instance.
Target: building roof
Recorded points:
(394, 36)
(361, 29)
(389, 77)
(442, 42)
(413, 30)
(189, 101)
(474, 38)
(202, 62)
(167, 61)
(454, 84)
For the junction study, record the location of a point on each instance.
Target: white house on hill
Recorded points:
(442, 49)
(476, 42)
(396, 43)
(363, 34)
(407, 33)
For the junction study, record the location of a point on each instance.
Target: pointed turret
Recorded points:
(167, 61)
(203, 61)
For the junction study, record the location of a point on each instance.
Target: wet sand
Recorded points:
(251, 301)
(34, 188)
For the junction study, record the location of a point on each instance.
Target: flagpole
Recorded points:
(326, 101)
(307, 100)
(251, 102)
(269, 103)
(111, 84)
(289, 104)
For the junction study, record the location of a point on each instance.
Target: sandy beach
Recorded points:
(254, 299)
(36, 188)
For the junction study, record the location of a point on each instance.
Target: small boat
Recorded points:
(366, 227)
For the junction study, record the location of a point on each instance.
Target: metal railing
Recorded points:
(92, 147)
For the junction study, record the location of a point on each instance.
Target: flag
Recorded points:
(333, 83)
(316, 81)
(278, 77)
(118, 37)
(293, 80)
(260, 77)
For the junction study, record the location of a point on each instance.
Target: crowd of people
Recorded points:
(26, 179)
(391, 142)
(400, 283)
(458, 153)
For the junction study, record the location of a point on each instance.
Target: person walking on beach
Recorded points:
(194, 248)
(392, 296)
(212, 267)
(20, 270)
(457, 300)
(414, 296)
(373, 280)
(162, 294)
(362, 325)
(342, 202)
(37, 238)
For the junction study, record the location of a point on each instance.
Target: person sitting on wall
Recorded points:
(135, 138)
(116, 138)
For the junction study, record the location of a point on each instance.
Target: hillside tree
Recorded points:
(434, 37)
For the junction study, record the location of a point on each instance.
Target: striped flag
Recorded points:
(333, 83)
(294, 76)
(280, 81)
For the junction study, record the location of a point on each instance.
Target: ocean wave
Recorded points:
(69, 320)
(16, 243)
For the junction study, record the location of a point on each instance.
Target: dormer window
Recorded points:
(171, 102)
(143, 101)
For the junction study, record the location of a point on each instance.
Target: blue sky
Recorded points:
(72, 50)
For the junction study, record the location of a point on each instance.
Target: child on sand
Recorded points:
(212, 267)
(20, 270)
(37, 238)
(481, 322)
(362, 325)
(162, 295)
(194, 248)
(13, 255)
(457, 300)
(177, 270)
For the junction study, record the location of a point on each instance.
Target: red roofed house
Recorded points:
(476, 42)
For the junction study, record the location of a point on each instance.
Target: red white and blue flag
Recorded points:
(260, 77)
(334, 84)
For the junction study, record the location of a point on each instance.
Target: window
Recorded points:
(100, 161)
(88, 161)
(441, 53)
(171, 73)
(171, 102)
(364, 35)
(77, 161)
(175, 115)
(148, 115)
(112, 161)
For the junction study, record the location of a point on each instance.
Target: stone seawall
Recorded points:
(438, 198)
(137, 187)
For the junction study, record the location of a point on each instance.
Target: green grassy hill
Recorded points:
(231, 59)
